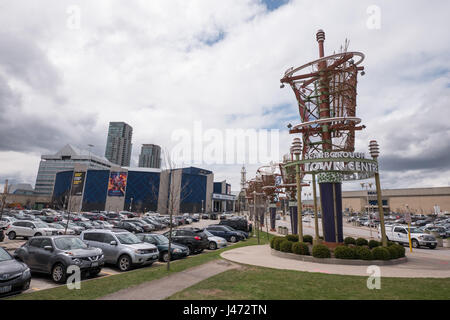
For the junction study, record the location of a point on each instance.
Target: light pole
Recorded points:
(131, 204)
(368, 186)
(296, 150)
(374, 152)
(202, 207)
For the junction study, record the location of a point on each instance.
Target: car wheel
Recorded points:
(190, 250)
(124, 263)
(233, 239)
(94, 272)
(11, 235)
(432, 247)
(165, 257)
(415, 243)
(212, 245)
(59, 273)
(37, 234)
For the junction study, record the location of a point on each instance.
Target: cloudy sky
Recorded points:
(67, 68)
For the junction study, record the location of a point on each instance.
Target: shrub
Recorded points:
(390, 243)
(381, 253)
(321, 251)
(361, 242)
(286, 246)
(308, 238)
(396, 251)
(363, 253)
(272, 241)
(374, 243)
(292, 237)
(300, 248)
(276, 243)
(349, 240)
(343, 252)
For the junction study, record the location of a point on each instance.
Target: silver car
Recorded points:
(214, 241)
(121, 247)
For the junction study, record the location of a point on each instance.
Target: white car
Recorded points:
(26, 229)
(214, 241)
(61, 229)
(399, 233)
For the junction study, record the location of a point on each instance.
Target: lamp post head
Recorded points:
(374, 149)
(296, 147)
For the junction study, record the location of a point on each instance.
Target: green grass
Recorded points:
(257, 283)
(96, 288)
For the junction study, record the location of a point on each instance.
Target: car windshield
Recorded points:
(416, 230)
(41, 225)
(56, 226)
(127, 238)
(209, 234)
(161, 239)
(228, 228)
(69, 243)
(4, 255)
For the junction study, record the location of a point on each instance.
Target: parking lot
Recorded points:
(44, 281)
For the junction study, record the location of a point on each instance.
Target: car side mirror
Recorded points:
(113, 243)
(48, 248)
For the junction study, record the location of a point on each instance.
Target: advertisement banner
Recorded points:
(78, 183)
(117, 184)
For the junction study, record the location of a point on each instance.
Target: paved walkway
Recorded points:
(419, 265)
(167, 286)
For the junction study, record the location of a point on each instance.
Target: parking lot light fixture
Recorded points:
(296, 149)
(375, 152)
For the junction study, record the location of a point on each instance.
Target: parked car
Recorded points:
(15, 276)
(158, 225)
(53, 255)
(121, 248)
(214, 241)
(177, 251)
(128, 226)
(205, 216)
(195, 217)
(143, 225)
(71, 225)
(195, 239)
(398, 233)
(61, 229)
(225, 232)
(236, 223)
(85, 224)
(26, 229)
(105, 224)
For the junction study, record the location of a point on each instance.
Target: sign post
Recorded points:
(408, 220)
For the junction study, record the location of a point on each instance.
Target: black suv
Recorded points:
(195, 239)
(238, 224)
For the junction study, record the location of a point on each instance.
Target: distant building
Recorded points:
(118, 144)
(150, 156)
(222, 199)
(21, 188)
(64, 159)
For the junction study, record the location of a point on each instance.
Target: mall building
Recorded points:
(183, 190)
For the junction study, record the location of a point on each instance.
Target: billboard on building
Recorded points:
(117, 184)
(78, 183)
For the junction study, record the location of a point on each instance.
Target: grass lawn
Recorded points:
(258, 283)
(99, 287)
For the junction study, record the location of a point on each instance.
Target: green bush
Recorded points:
(276, 243)
(272, 241)
(344, 252)
(396, 251)
(300, 248)
(363, 253)
(349, 240)
(286, 246)
(381, 253)
(321, 251)
(390, 243)
(292, 237)
(374, 243)
(308, 238)
(361, 242)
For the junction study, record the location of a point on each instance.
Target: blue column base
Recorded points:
(328, 205)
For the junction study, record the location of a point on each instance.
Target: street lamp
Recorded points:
(374, 152)
(296, 150)
(131, 204)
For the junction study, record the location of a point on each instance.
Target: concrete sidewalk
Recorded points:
(419, 265)
(167, 286)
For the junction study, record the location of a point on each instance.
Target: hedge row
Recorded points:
(364, 250)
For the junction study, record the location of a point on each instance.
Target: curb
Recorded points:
(351, 262)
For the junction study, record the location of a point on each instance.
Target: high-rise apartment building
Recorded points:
(150, 156)
(118, 144)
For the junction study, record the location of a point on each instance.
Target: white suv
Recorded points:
(28, 229)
